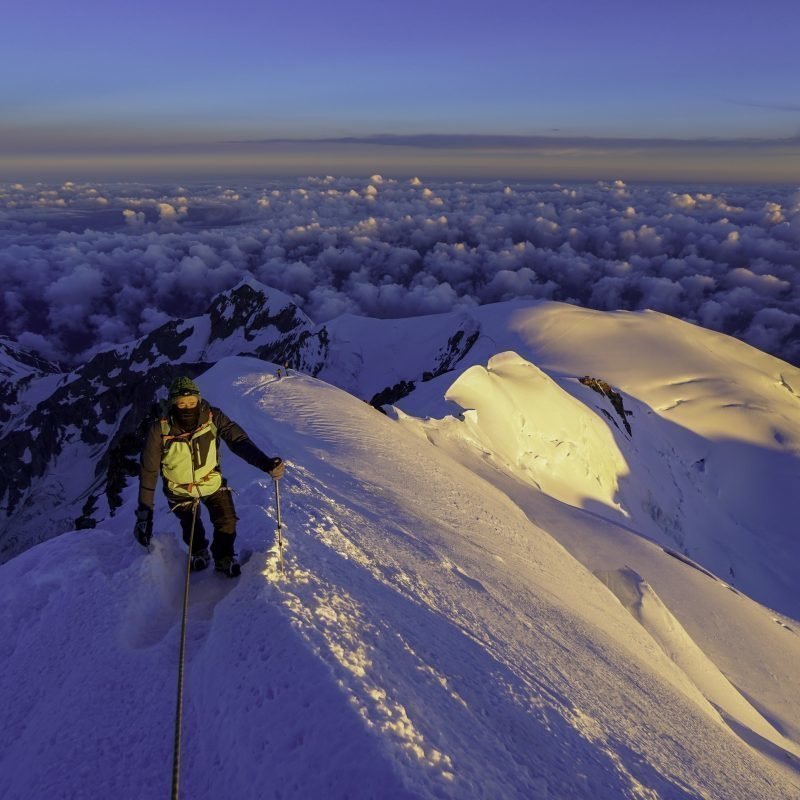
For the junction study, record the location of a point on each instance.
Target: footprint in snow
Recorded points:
(155, 606)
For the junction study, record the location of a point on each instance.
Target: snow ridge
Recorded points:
(429, 640)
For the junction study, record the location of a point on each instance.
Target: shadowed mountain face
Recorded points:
(72, 438)
(19, 369)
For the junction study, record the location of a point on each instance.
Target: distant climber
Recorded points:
(184, 447)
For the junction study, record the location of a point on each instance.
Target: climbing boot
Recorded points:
(201, 559)
(228, 565)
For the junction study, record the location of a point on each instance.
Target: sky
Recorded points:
(702, 90)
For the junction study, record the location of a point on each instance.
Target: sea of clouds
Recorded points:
(83, 265)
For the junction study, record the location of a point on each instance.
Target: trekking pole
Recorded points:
(280, 525)
(176, 756)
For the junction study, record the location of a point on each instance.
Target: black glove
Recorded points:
(275, 468)
(143, 530)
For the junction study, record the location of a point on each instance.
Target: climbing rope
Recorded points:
(176, 756)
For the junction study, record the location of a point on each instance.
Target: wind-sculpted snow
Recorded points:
(644, 604)
(84, 264)
(709, 468)
(428, 641)
(529, 423)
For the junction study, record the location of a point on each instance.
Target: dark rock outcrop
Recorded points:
(458, 345)
(391, 394)
(614, 397)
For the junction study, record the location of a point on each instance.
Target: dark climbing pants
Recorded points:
(223, 517)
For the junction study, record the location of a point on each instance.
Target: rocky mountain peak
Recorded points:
(250, 308)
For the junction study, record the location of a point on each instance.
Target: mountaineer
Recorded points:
(184, 447)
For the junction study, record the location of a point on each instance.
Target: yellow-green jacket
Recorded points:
(188, 462)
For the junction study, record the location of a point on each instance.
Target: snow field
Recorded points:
(428, 641)
(713, 462)
(320, 424)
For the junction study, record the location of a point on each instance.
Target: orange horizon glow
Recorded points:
(567, 164)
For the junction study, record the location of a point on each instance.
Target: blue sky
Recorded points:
(105, 85)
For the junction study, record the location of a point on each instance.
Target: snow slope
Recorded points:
(711, 467)
(432, 638)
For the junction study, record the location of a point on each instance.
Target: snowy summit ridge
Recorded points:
(495, 589)
(697, 449)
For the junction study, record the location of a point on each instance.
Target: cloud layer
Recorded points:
(88, 264)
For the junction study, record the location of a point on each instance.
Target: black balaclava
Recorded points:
(187, 418)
